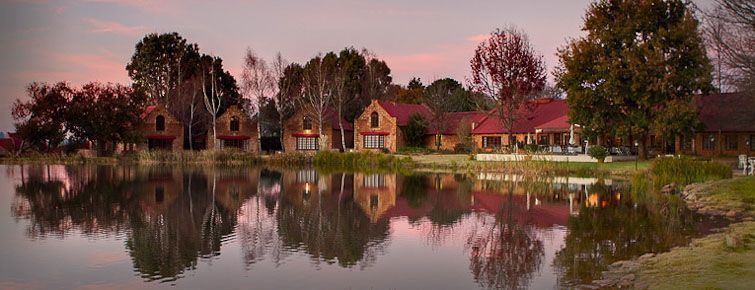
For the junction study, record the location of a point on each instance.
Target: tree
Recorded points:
(729, 30)
(40, 120)
(437, 97)
(159, 64)
(377, 79)
(107, 114)
(506, 69)
(213, 101)
(414, 130)
(638, 59)
(281, 100)
(258, 85)
(318, 88)
(290, 90)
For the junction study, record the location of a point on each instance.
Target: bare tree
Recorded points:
(340, 98)
(437, 97)
(212, 102)
(282, 88)
(317, 93)
(729, 29)
(257, 85)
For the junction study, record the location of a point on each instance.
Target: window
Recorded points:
(307, 175)
(709, 142)
(234, 124)
(512, 140)
(374, 141)
(307, 123)
(374, 120)
(543, 140)
(160, 123)
(374, 181)
(491, 141)
(307, 143)
(373, 202)
(438, 140)
(233, 143)
(752, 142)
(730, 141)
(159, 194)
(685, 143)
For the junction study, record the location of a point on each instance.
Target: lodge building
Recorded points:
(301, 132)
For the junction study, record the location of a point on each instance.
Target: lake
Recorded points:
(145, 227)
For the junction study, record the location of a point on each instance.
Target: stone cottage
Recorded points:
(378, 128)
(235, 130)
(301, 132)
(161, 130)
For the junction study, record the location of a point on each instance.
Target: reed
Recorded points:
(685, 170)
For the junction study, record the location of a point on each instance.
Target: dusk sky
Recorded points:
(92, 40)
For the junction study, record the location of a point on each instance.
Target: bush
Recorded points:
(463, 148)
(683, 171)
(414, 131)
(598, 152)
(368, 161)
(531, 148)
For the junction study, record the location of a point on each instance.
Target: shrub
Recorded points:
(463, 148)
(683, 171)
(531, 148)
(368, 161)
(414, 130)
(598, 152)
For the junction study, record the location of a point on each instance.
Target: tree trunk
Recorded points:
(320, 138)
(280, 138)
(642, 148)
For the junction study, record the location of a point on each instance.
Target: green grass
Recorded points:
(709, 263)
(362, 161)
(737, 194)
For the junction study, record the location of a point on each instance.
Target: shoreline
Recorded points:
(697, 260)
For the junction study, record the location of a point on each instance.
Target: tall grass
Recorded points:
(226, 157)
(686, 170)
(363, 161)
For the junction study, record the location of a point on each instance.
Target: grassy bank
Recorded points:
(719, 261)
(724, 260)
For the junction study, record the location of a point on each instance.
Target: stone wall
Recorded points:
(295, 125)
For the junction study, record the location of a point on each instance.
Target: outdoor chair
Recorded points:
(742, 161)
(751, 161)
(556, 149)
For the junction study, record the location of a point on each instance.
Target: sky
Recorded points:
(80, 41)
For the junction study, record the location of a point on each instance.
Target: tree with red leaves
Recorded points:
(506, 69)
(40, 120)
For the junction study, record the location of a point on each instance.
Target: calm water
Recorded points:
(98, 227)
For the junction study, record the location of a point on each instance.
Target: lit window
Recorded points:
(307, 143)
(731, 142)
(374, 141)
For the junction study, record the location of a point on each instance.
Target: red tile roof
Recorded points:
(538, 112)
(332, 118)
(11, 142)
(558, 124)
(730, 112)
(146, 111)
(452, 120)
(402, 111)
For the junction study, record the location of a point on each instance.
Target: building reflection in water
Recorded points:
(173, 218)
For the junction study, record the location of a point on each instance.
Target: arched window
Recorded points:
(234, 124)
(307, 123)
(160, 123)
(374, 120)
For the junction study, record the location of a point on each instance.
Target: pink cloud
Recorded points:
(478, 38)
(446, 59)
(78, 68)
(99, 26)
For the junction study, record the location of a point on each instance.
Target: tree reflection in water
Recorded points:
(174, 218)
(504, 253)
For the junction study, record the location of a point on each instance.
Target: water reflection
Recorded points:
(512, 231)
